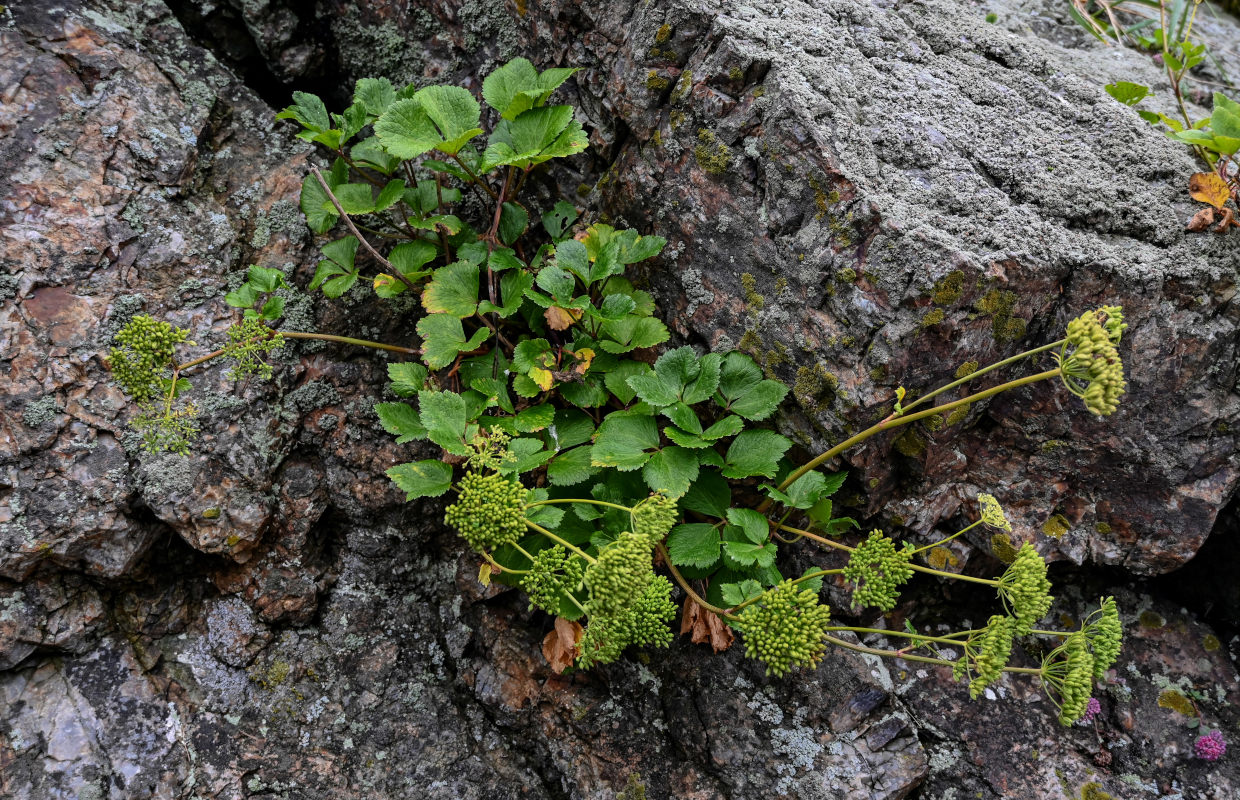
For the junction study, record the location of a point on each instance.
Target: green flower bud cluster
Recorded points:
(144, 349)
(1106, 637)
(877, 571)
(623, 570)
(992, 513)
(996, 648)
(1076, 685)
(1025, 590)
(655, 516)
(489, 511)
(553, 574)
(248, 340)
(167, 429)
(785, 629)
(1112, 318)
(1090, 365)
(490, 450)
(644, 622)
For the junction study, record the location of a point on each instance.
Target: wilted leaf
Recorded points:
(484, 574)
(561, 319)
(704, 627)
(560, 645)
(1202, 220)
(1208, 187)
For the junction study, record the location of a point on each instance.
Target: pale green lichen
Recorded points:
(712, 156)
(40, 412)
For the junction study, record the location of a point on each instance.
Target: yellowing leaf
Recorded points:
(1208, 187)
(560, 319)
(543, 378)
(584, 356)
(383, 280)
(484, 574)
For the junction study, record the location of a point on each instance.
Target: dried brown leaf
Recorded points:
(704, 627)
(559, 646)
(561, 319)
(1202, 220)
(1229, 219)
(1208, 187)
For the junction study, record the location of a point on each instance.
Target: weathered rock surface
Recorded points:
(906, 188)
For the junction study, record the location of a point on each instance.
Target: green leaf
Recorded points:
(534, 136)
(571, 428)
(342, 251)
(683, 416)
(671, 470)
(513, 221)
(710, 494)
(752, 524)
(535, 418)
(624, 441)
(422, 478)
(704, 385)
(558, 283)
(455, 112)
(748, 554)
(411, 257)
(1127, 92)
(529, 455)
(586, 393)
(401, 420)
(617, 379)
(744, 391)
(815, 584)
(559, 219)
(571, 467)
(309, 110)
(453, 290)
(245, 296)
(736, 593)
(632, 333)
(370, 153)
(755, 453)
(503, 258)
(320, 213)
(406, 130)
(694, 545)
(1225, 120)
(443, 337)
(614, 307)
(728, 426)
(266, 279)
(444, 416)
(389, 194)
(355, 198)
(407, 378)
(335, 287)
(374, 95)
(532, 354)
(273, 309)
(502, 89)
(513, 286)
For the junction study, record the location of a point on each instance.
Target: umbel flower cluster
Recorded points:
(1089, 363)
(877, 570)
(142, 354)
(489, 511)
(1025, 589)
(786, 629)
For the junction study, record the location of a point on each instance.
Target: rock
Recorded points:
(864, 195)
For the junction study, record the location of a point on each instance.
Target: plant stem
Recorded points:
(567, 544)
(942, 542)
(809, 576)
(579, 500)
(502, 568)
(923, 659)
(890, 423)
(387, 265)
(474, 177)
(684, 584)
(905, 634)
(915, 567)
(327, 337)
(979, 373)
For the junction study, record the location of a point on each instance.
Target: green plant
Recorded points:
(1216, 138)
(582, 464)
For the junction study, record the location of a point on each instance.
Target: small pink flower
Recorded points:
(1092, 709)
(1210, 747)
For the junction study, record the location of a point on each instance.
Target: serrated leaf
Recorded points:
(703, 386)
(1225, 119)
(355, 198)
(571, 467)
(513, 286)
(694, 545)
(406, 130)
(751, 523)
(534, 136)
(407, 378)
(571, 428)
(617, 379)
(411, 257)
(755, 453)
(374, 95)
(443, 337)
(342, 251)
(728, 426)
(814, 584)
(710, 494)
(556, 282)
(370, 153)
(736, 593)
(422, 478)
(535, 418)
(624, 441)
(749, 554)
(513, 221)
(587, 393)
(632, 333)
(683, 416)
(266, 279)
(308, 110)
(455, 112)
(501, 88)
(453, 290)
(559, 219)
(532, 354)
(744, 391)
(320, 213)
(401, 420)
(335, 287)
(571, 255)
(445, 418)
(671, 470)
